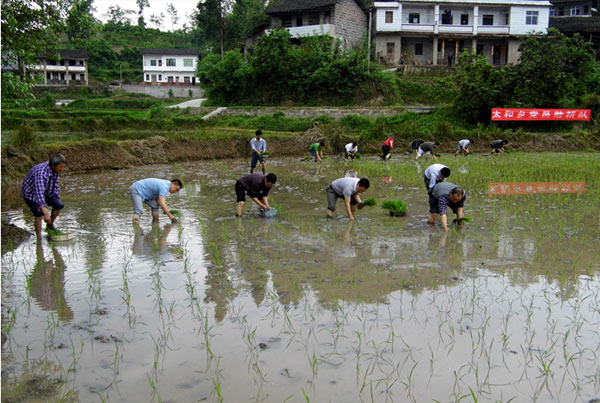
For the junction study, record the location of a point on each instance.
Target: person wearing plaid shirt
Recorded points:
(442, 196)
(40, 190)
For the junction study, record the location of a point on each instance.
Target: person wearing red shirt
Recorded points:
(386, 148)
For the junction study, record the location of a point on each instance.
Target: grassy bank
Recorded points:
(160, 135)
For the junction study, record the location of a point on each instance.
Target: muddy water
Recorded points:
(297, 307)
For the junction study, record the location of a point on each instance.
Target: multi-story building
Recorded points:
(345, 20)
(170, 66)
(436, 32)
(577, 17)
(63, 67)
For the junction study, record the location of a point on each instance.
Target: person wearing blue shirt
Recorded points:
(153, 192)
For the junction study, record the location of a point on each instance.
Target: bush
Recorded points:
(25, 137)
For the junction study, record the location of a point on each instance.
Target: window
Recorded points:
(170, 62)
(313, 19)
(287, 21)
(82, 77)
(160, 77)
(552, 11)
(488, 19)
(531, 17)
(327, 17)
(464, 19)
(188, 62)
(586, 10)
(389, 17)
(186, 80)
(414, 18)
(152, 62)
(160, 62)
(447, 17)
(147, 77)
(575, 10)
(72, 62)
(561, 11)
(418, 48)
(479, 49)
(73, 76)
(81, 62)
(299, 21)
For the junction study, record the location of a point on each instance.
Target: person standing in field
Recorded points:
(435, 174)
(316, 150)
(351, 149)
(426, 148)
(386, 148)
(498, 146)
(414, 146)
(258, 146)
(257, 187)
(40, 190)
(349, 190)
(153, 192)
(465, 146)
(444, 195)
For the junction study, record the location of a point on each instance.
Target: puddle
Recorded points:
(221, 308)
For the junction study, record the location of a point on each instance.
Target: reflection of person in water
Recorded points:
(155, 241)
(47, 282)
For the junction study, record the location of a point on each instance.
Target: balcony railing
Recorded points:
(312, 30)
(493, 29)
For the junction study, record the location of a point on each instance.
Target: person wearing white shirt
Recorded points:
(435, 174)
(464, 146)
(259, 146)
(351, 150)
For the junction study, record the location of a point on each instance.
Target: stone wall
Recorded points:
(350, 22)
(162, 91)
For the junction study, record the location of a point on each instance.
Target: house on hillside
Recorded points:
(577, 16)
(345, 20)
(170, 66)
(436, 32)
(63, 67)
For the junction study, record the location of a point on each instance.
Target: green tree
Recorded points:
(172, 11)
(554, 70)
(80, 23)
(119, 16)
(29, 28)
(142, 4)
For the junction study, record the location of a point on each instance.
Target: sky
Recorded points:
(183, 7)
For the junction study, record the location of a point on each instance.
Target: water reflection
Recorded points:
(47, 283)
(153, 242)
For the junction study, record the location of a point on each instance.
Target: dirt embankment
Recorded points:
(93, 155)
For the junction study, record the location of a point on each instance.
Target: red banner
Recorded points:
(540, 114)
(535, 187)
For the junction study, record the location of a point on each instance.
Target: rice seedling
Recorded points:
(396, 208)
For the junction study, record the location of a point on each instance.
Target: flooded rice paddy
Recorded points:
(301, 308)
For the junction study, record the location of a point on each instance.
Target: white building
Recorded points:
(170, 66)
(63, 67)
(437, 31)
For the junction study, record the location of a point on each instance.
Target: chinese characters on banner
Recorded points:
(535, 187)
(540, 114)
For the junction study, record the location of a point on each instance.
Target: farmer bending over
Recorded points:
(498, 146)
(40, 190)
(351, 150)
(259, 146)
(426, 148)
(444, 195)
(347, 189)
(257, 187)
(316, 151)
(414, 146)
(386, 148)
(465, 146)
(153, 192)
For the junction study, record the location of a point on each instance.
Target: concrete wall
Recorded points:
(162, 91)
(350, 22)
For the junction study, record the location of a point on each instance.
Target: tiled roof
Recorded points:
(287, 6)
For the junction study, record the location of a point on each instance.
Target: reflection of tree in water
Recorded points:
(47, 283)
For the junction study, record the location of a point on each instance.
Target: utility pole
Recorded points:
(120, 75)
(369, 41)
